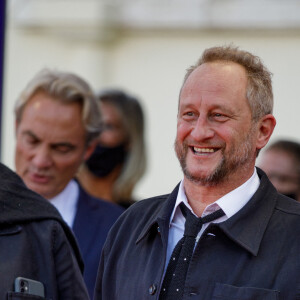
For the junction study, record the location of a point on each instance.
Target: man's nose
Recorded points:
(202, 129)
(42, 158)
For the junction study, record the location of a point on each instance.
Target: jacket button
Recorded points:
(152, 289)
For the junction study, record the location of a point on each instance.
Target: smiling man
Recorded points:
(57, 121)
(224, 232)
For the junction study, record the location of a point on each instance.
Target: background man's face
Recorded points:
(114, 132)
(282, 170)
(50, 144)
(215, 138)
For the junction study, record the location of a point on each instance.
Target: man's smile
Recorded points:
(200, 151)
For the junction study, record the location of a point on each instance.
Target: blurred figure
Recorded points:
(57, 122)
(281, 162)
(36, 244)
(119, 160)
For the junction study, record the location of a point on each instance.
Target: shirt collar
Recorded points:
(231, 203)
(246, 227)
(66, 202)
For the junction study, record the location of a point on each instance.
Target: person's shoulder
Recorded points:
(97, 204)
(7, 174)
(288, 206)
(143, 210)
(148, 204)
(44, 227)
(137, 218)
(48, 231)
(287, 211)
(20, 204)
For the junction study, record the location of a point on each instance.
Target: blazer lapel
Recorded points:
(85, 225)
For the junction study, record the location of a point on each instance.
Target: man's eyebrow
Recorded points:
(223, 108)
(53, 145)
(63, 144)
(30, 133)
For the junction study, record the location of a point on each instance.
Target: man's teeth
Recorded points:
(204, 150)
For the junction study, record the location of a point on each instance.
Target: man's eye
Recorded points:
(31, 141)
(189, 114)
(220, 117)
(63, 149)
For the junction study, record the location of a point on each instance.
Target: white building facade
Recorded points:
(144, 47)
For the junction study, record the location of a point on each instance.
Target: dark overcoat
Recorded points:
(253, 255)
(36, 243)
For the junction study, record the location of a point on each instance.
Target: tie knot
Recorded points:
(193, 224)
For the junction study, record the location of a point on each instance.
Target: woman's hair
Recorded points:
(66, 88)
(132, 117)
(259, 88)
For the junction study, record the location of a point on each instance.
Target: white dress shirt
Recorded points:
(231, 203)
(66, 202)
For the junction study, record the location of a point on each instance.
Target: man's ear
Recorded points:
(89, 150)
(265, 129)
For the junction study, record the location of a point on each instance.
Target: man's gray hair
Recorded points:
(66, 88)
(259, 88)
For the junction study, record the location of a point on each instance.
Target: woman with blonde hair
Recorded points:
(119, 160)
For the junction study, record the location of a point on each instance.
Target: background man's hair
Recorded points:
(66, 88)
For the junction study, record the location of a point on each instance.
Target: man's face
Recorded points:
(50, 144)
(281, 169)
(215, 134)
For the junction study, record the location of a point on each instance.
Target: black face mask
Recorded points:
(104, 159)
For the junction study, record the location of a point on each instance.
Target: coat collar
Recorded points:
(246, 227)
(159, 220)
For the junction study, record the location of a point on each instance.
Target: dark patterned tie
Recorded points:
(174, 280)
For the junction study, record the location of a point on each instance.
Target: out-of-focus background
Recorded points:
(144, 47)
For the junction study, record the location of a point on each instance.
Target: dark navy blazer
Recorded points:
(93, 220)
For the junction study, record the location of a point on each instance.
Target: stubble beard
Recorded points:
(238, 158)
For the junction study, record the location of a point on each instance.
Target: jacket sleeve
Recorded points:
(70, 282)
